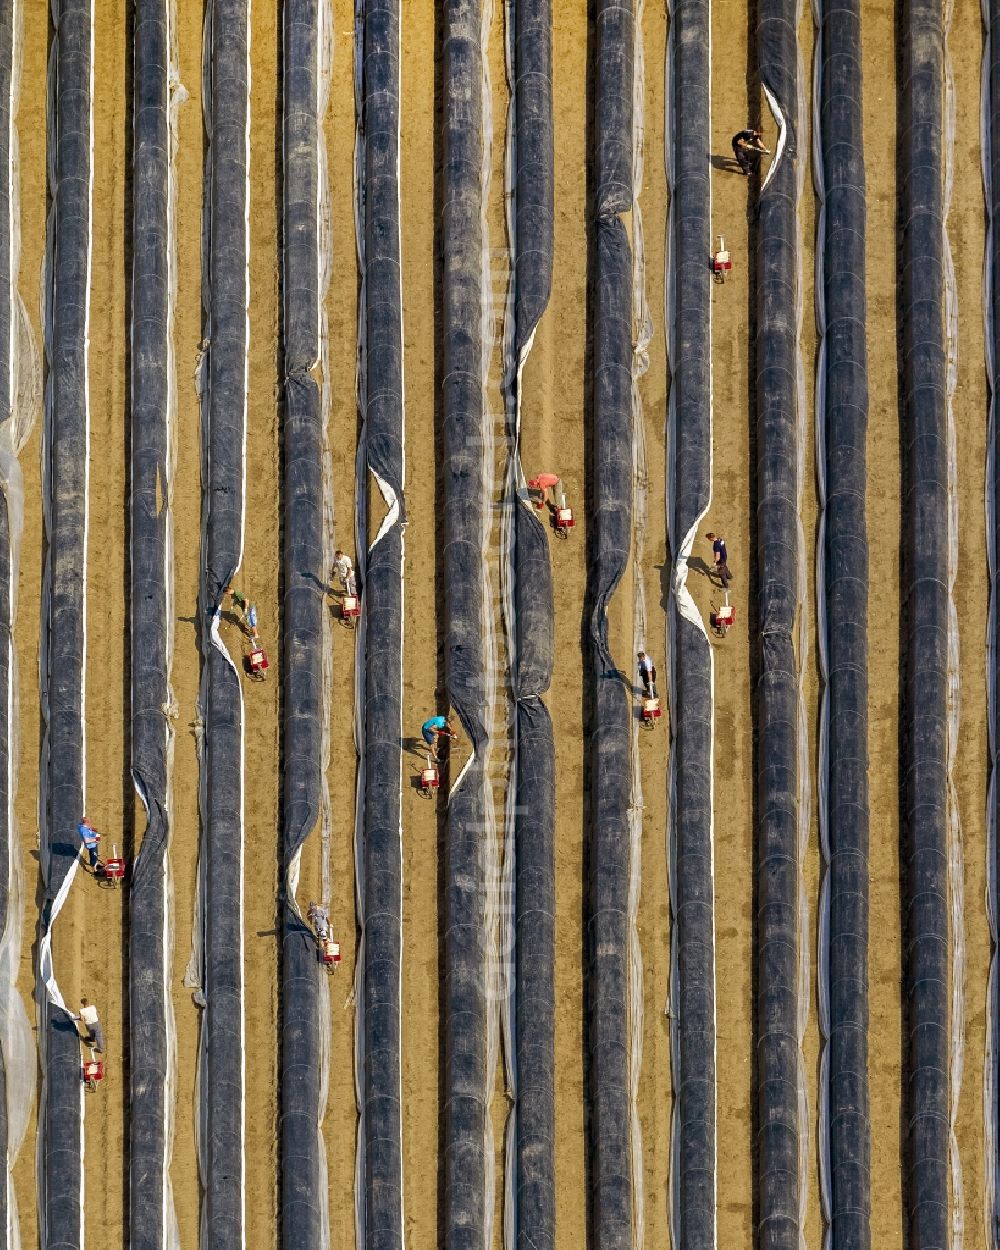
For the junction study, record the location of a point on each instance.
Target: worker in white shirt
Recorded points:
(343, 568)
(319, 918)
(95, 1033)
(647, 675)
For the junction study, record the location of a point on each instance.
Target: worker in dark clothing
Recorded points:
(721, 559)
(748, 149)
(647, 675)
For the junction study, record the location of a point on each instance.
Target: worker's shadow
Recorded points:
(726, 164)
(415, 746)
(697, 565)
(236, 620)
(324, 587)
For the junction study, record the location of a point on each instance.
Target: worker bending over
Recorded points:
(543, 486)
(748, 148)
(434, 730)
(239, 602)
(95, 1033)
(90, 840)
(319, 918)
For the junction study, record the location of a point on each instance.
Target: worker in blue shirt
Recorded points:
(721, 558)
(434, 730)
(90, 839)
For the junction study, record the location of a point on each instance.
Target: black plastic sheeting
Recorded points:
(534, 816)
(846, 596)
(610, 525)
(691, 382)
(149, 1039)
(993, 294)
(777, 1129)
(222, 1075)
(67, 304)
(302, 625)
(925, 612)
(6, 369)
(383, 630)
(463, 410)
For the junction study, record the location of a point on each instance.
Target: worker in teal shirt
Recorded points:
(434, 729)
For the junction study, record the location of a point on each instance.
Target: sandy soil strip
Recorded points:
(423, 679)
(259, 578)
(965, 229)
(340, 1124)
(553, 440)
(884, 502)
(186, 669)
(655, 1087)
(731, 515)
(91, 938)
(811, 866)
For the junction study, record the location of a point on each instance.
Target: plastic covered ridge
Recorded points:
(776, 350)
(692, 718)
(64, 646)
(530, 623)
(152, 1224)
(463, 409)
(607, 890)
(303, 1170)
(381, 399)
(925, 613)
(223, 1072)
(842, 596)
